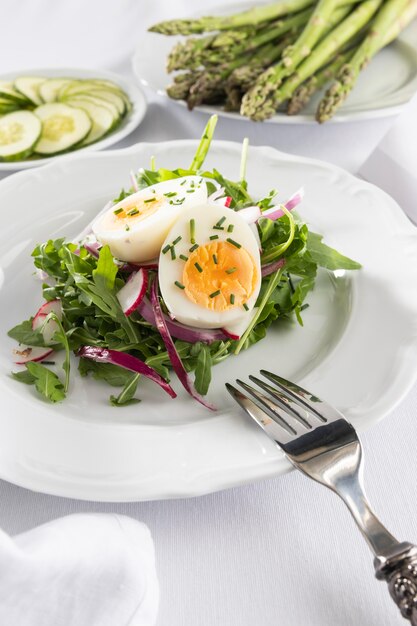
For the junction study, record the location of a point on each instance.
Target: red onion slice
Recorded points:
(174, 357)
(129, 362)
(178, 330)
(271, 268)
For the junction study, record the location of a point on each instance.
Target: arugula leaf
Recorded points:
(126, 396)
(328, 257)
(61, 338)
(105, 273)
(203, 370)
(23, 333)
(46, 382)
(24, 377)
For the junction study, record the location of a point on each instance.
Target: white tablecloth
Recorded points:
(282, 551)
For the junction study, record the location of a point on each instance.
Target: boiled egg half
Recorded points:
(209, 268)
(136, 227)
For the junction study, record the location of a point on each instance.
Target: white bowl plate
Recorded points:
(128, 124)
(357, 348)
(383, 88)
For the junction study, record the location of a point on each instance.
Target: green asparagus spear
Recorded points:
(304, 92)
(259, 102)
(252, 17)
(389, 13)
(327, 48)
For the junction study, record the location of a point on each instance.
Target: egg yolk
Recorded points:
(132, 213)
(219, 276)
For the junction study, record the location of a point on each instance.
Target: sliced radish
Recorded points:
(235, 331)
(53, 306)
(250, 214)
(228, 201)
(49, 329)
(25, 354)
(133, 292)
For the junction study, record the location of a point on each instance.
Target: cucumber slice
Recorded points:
(28, 86)
(48, 91)
(102, 119)
(75, 100)
(63, 127)
(104, 94)
(8, 92)
(19, 133)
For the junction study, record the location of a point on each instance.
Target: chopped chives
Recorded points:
(214, 237)
(177, 240)
(169, 194)
(194, 247)
(232, 298)
(198, 267)
(117, 211)
(218, 227)
(150, 200)
(183, 257)
(179, 285)
(230, 228)
(167, 247)
(183, 182)
(173, 253)
(127, 227)
(233, 242)
(221, 220)
(190, 191)
(215, 293)
(231, 270)
(215, 259)
(192, 230)
(133, 212)
(245, 306)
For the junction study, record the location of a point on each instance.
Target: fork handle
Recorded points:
(399, 569)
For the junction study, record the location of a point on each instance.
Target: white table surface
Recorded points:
(282, 551)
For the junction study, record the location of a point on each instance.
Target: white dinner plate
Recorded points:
(383, 88)
(357, 348)
(128, 124)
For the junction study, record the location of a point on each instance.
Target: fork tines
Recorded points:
(286, 410)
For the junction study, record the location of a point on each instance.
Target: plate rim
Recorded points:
(223, 480)
(132, 122)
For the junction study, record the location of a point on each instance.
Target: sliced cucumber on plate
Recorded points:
(63, 127)
(19, 133)
(42, 116)
(102, 118)
(28, 86)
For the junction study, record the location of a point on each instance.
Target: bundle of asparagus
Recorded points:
(278, 55)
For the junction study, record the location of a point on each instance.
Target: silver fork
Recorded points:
(320, 442)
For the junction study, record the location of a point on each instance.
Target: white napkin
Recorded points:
(80, 570)
(392, 165)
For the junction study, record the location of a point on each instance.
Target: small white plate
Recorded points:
(383, 88)
(357, 348)
(128, 124)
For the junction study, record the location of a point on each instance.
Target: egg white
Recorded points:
(144, 239)
(179, 305)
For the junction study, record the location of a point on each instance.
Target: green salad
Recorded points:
(183, 270)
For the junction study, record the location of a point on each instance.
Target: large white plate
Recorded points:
(357, 348)
(129, 123)
(383, 88)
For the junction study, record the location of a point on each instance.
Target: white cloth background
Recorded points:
(282, 551)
